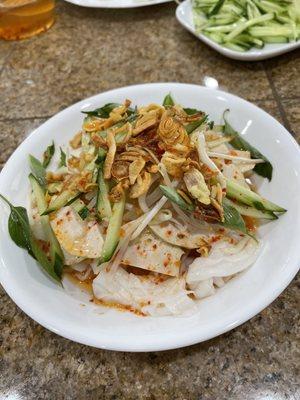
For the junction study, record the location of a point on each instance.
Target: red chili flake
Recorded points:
(215, 238)
(155, 246)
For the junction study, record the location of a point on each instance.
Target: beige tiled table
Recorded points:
(88, 51)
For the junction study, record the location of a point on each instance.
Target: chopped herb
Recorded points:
(195, 124)
(191, 111)
(103, 112)
(168, 101)
(48, 154)
(63, 159)
(175, 197)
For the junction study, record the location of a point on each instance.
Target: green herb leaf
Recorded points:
(168, 101)
(172, 195)
(58, 265)
(21, 234)
(103, 112)
(132, 115)
(18, 226)
(264, 169)
(195, 124)
(191, 111)
(233, 219)
(48, 154)
(37, 170)
(63, 159)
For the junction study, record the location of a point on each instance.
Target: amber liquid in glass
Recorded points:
(20, 19)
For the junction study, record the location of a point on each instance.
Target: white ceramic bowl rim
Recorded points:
(118, 4)
(150, 341)
(184, 16)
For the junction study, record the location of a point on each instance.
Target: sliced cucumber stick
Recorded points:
(63, 199)
(103, 203)
(250, 211)
(246, 196)
(113, 230)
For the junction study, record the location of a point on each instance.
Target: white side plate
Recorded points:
(184, 15)
(116, 3)
(240, 299)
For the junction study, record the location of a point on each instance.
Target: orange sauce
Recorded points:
(117, 306)
(87, 286)
(251, 223)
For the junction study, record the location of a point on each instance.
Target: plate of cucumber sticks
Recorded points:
(248, 30)
(150, 217)
(116, 3)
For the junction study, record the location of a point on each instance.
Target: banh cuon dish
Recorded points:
(149, 208)
(246, 24)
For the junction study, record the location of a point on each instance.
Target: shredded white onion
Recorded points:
(129, 228)
(162, 216)
(149, 216)
(154, 196)
(235, 158)
(201, 144)
(143, 204)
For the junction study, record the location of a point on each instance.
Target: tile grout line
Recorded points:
(278, 102)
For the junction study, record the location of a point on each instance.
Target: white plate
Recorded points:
(116, 3)
(239, 300)
(184, 15)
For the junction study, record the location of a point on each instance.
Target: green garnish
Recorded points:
(238, 142)
(175, 197)
(21, 234)
(168, 101)
(63, 159)
(48, 154)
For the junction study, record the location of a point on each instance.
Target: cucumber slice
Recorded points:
(250, 211)
(39, 194)
(113, 230)
(64, 199)
(275, 39)
(78, 205)
(246, 196)
(103, 203)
